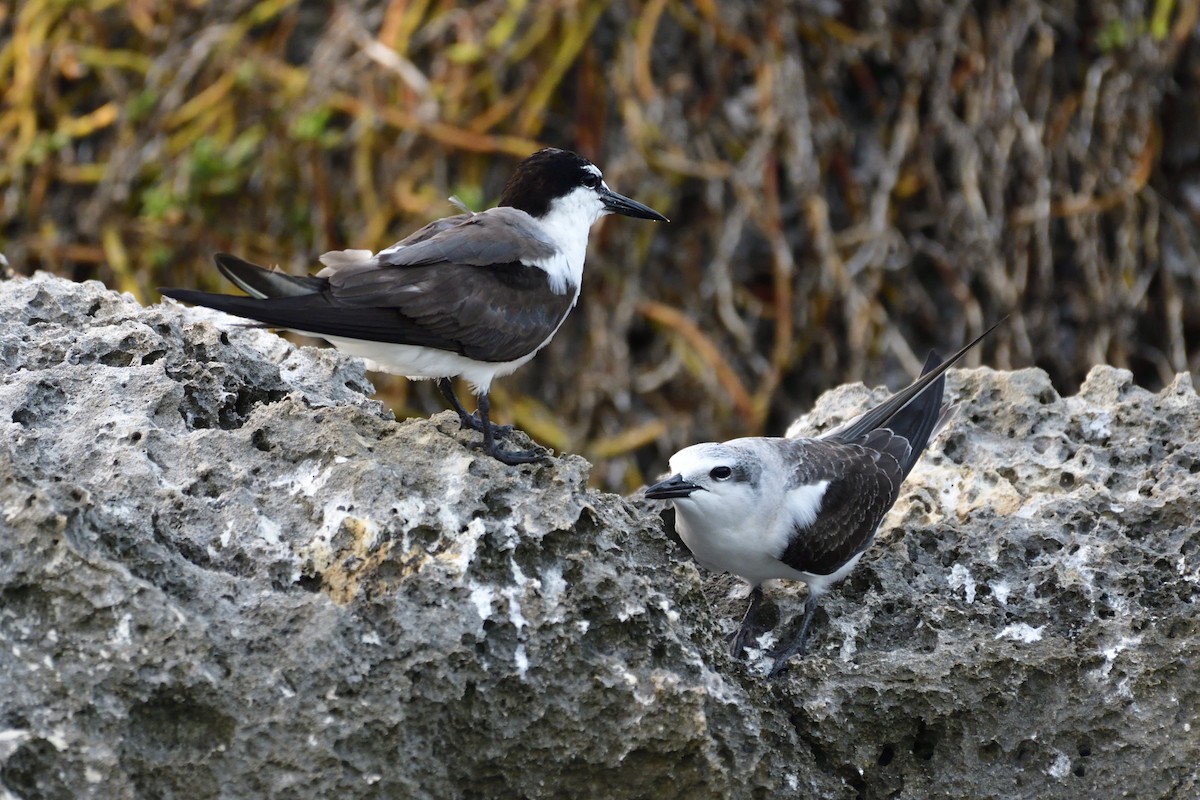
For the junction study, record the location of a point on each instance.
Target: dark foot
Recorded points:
(799, 645)
(474, 423)
(782, 655)
(533, 455)
(740, 639)
(489, 445)
(744, 635)
(466, 420)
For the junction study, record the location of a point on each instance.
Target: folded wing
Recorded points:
(470, 295)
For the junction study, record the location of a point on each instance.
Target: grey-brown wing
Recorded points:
(496, 236)
(864, 482)
(496, 313)
(428, 231)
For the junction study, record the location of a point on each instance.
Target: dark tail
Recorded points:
(278, 300)
(295, 297)
(923, 396)
(260, 282)
(917, 420)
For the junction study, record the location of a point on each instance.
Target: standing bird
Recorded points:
(472, 295)
(802, 509)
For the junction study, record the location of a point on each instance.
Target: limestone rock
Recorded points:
(1025, 624)
(225, 571)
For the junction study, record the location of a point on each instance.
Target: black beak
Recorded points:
(672, 487)
(620, 204)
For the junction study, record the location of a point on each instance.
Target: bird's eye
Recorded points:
(720, 473)
(591, 180)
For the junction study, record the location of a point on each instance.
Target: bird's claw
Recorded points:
(739, 640)
(472, 422)
(782, 655)
(534, 455)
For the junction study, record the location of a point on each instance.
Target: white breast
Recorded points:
(567, 224)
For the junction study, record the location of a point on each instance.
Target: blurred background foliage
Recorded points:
(850, 183)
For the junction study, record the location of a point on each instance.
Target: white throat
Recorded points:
(566, 225)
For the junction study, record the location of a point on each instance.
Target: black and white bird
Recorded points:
(802, 509)
(474, 295)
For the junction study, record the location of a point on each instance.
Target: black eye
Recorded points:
(720, 473)
(591, 180)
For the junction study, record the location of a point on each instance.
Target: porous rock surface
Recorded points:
(225, 571)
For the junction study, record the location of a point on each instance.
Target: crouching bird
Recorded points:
(802, 509)
(473, 295)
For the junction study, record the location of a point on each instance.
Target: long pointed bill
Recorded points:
(672, 487)
(620, 204)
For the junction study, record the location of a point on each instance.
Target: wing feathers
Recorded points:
(496, 313)
(495, 236)
(338, 259)
(261, 282)
(864, 463)
(861, 487)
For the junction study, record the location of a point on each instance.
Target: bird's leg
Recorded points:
(489, 446)
(798, 644)
(446, 387)
(744, 634)
(466, 420)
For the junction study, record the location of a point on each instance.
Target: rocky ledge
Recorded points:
(225, 571)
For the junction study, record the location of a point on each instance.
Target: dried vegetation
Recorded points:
(849, 183)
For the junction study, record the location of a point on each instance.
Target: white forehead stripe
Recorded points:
(592, 168)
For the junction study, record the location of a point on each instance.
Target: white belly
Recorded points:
(423, 363)
(748, 554)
